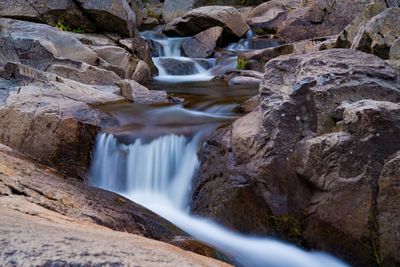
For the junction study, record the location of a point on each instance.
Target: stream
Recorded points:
(151, 158)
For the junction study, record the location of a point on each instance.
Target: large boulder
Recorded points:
(268, 16)
(311, 156)
(51, 119)
(374, 8)
(65, 14)
(177, 8)
(70, 223)
(203, 18)
(116, 16)
(256, 59)
(379, 34)
(202, 45)
(317, 18)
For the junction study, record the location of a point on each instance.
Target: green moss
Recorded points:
(62, 27)
(287, 226)
(241, 63)
(260, 31)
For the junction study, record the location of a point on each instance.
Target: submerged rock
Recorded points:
(311, 156)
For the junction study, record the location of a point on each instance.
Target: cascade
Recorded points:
(158, 173)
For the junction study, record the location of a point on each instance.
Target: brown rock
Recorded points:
(311, 156)
(268, 16)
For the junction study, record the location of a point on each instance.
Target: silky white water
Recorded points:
(158, 173)
(170, 48)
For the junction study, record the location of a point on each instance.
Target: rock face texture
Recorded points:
(203, 18)
(46, 219)
(308, 163)
(81, 15)
(256, 59)
(317, 18)
(51, 83)
(202, 45)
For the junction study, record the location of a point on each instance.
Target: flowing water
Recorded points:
(151, 157)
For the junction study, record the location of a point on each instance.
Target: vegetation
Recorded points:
(62, 27)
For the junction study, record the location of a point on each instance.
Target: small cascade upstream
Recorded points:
(158, 172)
(168, 52)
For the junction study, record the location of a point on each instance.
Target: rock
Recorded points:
(142, 73)
(310, 156)
(119, 60)
(268, 16)
(245, 12)
(202, 45)
(318, 18)
(256, 60)
(111, 16)
(63, 242)
(176, 8)
(243, 80)
(68, 222)
(25, 184)
(379, 34)
(203, 18)
(137, 93)
(387, 223)
(51, 119)
(43, 45)
(371, 10)
(395, 50)
(65, 14)
(178, 67)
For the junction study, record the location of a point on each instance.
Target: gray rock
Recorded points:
(202, 45)
(200, 19)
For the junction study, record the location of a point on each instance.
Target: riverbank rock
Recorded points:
(376, 35)
(256, 59)
(203, 18)
(52, 81)
(68, 222)
(311, 157)
(319, 18)
(82, 15)
(267, 17)
(202, 45)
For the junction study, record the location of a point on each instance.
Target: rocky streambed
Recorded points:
(266, 118)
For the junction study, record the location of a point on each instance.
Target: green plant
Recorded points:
(79, 30)
(241, 63)
(60, 25)
(260, 31)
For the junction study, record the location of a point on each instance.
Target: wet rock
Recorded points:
(319, 18)
(243, 80)
(203, 18)
(178, 67)
(379, 34)
(311, 154)
(202, 45)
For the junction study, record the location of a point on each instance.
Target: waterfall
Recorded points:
(158, 175)
(169, 54)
